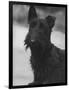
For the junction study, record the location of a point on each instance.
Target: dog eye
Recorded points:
(33, 24)
(41, 25)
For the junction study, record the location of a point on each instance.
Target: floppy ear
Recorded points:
(31, 14)
(51, 20)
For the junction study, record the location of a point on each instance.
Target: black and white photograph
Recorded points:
(37, 44)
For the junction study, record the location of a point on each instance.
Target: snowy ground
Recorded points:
(22, 72)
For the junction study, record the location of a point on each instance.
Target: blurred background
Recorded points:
(22, 72)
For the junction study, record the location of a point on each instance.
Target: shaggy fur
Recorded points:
(47, 61)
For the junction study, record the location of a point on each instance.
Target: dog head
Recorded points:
(39, 29)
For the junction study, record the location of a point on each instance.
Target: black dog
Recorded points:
(47, 61)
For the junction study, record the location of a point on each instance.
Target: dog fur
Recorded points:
(47, 61)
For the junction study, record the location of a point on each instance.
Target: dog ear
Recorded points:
(51, 20)
(31, 14)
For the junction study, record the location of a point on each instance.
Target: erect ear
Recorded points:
(31, 14)
(51, 20)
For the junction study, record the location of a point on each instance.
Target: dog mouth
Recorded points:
(33, 44)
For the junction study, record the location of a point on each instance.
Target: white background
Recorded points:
(4, 44)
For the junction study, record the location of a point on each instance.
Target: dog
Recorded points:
(47, 61)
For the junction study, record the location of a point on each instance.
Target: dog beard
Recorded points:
(35, 47)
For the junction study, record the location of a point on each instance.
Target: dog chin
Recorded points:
(35, 46)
